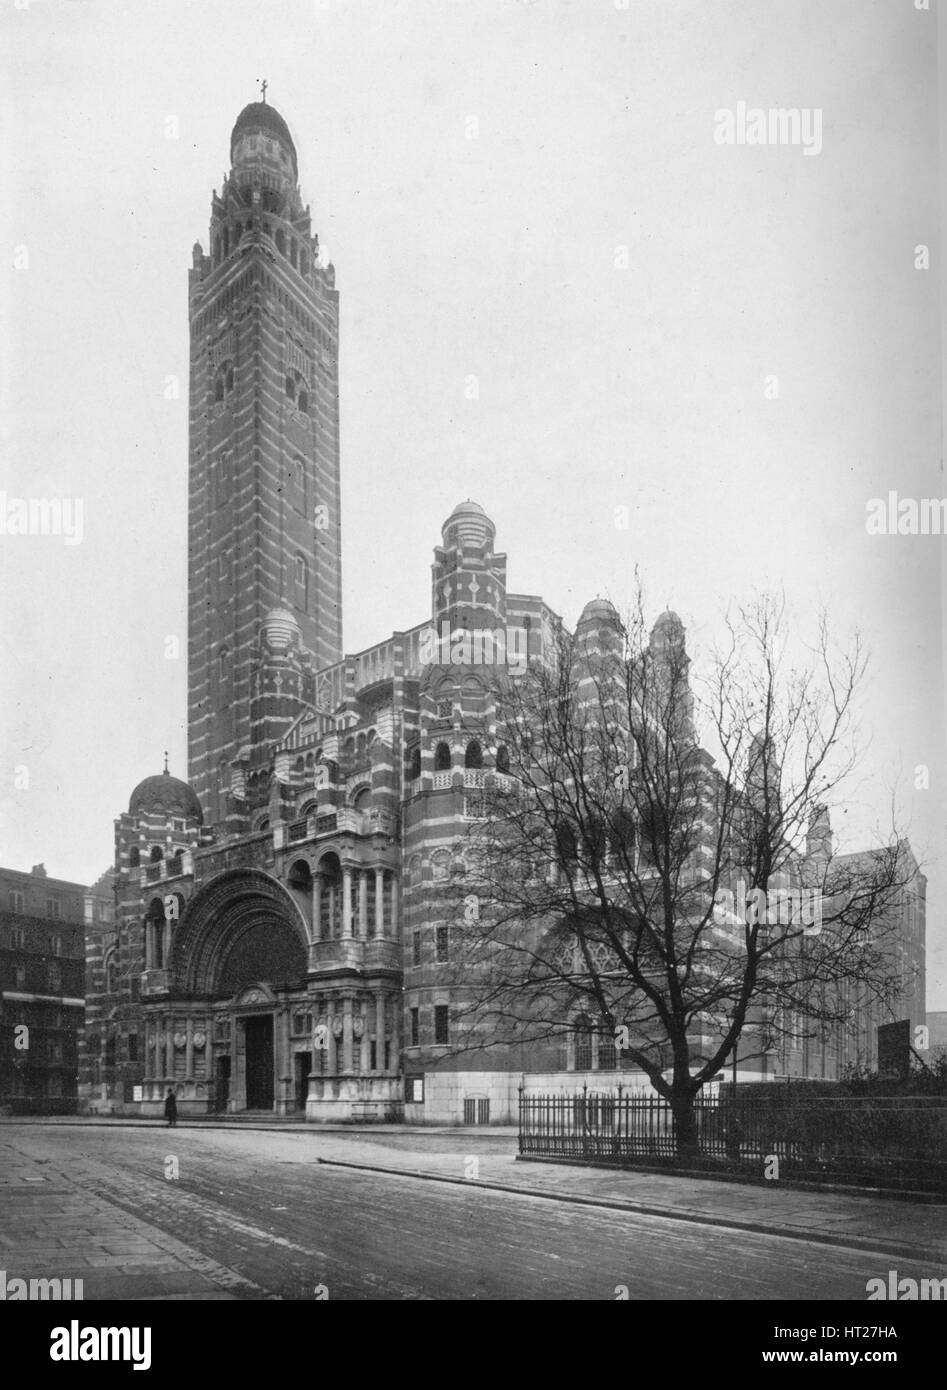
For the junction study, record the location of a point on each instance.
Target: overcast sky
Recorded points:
(525, 193)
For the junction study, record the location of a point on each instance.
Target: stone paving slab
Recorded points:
(115, 1254)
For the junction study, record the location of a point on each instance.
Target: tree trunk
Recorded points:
(685, 1127)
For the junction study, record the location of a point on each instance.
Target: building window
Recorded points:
(55, 945)
(442, 944)
(474, 754)
(442, 758)
(53, 908)
(441, 1025)
(134, 857)
(17, 938)
(157, 854)
(54, 975)
(133, 1047)
(416, 958)
(503, 758)
(607, 1055)
(16, 901)
(415, 1028)
(583, 1046)
(302, 583)
(372, 1055)
(20, 972)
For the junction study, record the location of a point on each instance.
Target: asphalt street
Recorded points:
(203, 1213)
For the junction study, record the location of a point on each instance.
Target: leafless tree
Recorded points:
(626, 879)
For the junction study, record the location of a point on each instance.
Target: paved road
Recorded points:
(253, 1215)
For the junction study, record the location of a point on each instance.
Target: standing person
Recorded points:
(171, 1108)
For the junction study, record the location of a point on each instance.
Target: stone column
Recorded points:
(331, 1059)
(317, 907)
(379, 904)
(231, 1102)
(209, 1055)
(346, 902)
(364, 1057)
(148, 945)
(397, 1008)
(166, 932)
(333, 908)
(169, 1062)
(363, 904)
(347, 1035)
(189, 1054)
(284, 1090)
(380, 1033)
(394, 908)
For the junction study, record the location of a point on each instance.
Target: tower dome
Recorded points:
(279, 629)
(468, 524)
(259, 118)
(598, 611)
(165, 795)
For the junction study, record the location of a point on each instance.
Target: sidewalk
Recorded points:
(486, 1157)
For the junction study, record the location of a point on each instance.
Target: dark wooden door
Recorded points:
(259, 1063)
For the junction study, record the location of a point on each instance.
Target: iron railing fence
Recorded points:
(898, 1142)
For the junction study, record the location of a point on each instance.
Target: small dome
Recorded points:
(470, 523)
(668, 619)
(167, 796)
(279, 629)
(259, 116)
(599, 611)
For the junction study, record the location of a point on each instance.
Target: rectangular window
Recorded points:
(54, 973)
(53, 907)
(441, 1026)
(470, 1112)
(583, 1049)
(442, 945)
(373, 1055)
(387, 1055)
(483, 1112)
(55, 945)
(415, 1029)
(416, 949)
(133, 1047)
(21, 977)
(16, 901)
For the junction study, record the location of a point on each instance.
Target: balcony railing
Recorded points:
(443, 779)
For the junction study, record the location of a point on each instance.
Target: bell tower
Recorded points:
(264, 442)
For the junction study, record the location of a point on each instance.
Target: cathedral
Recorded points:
(277, 945)
(258, 959)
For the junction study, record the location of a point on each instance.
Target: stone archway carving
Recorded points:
(240, 927)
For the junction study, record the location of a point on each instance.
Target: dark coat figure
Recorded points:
(171, 1109)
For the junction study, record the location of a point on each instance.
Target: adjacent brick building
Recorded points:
(42, 985)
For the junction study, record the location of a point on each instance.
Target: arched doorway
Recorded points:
(243, 942)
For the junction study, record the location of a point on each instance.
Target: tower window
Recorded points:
(134, 857)
(415, 1029)
(290, 388)
(474, 755)
(442, 758)
(303, 402)
(503, 758)
(157, 854)
(441, 1024)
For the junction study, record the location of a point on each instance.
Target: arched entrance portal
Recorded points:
(243, 944)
